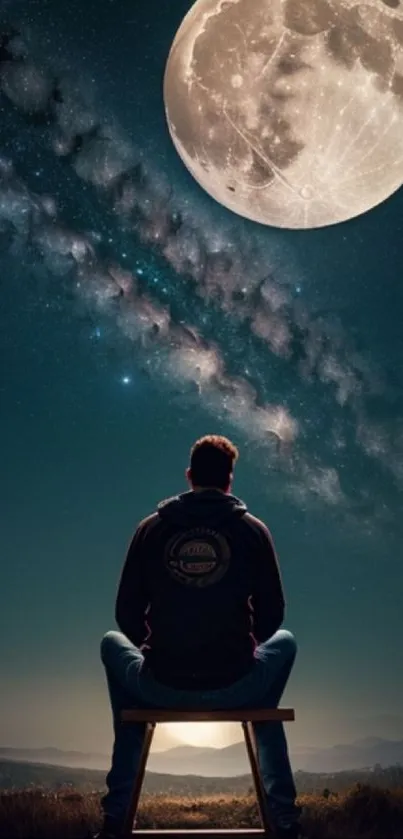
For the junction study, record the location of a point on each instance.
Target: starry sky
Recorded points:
(136, 315)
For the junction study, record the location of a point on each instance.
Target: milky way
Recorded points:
(206, 311)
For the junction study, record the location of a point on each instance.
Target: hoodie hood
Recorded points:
(192, 508)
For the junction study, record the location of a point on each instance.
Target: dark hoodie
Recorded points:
(199, 588)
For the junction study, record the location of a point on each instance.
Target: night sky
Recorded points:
(136, 315)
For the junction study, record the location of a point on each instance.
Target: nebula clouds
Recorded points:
(230, 275)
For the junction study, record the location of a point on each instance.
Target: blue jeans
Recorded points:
(130, 686)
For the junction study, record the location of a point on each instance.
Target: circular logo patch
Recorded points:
(198, 557)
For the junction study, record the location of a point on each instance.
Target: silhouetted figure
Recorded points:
(200, 605)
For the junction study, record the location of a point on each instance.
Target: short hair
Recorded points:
(212, 460)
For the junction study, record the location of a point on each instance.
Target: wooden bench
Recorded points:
(246, 717)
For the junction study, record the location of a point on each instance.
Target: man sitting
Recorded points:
(199, 606)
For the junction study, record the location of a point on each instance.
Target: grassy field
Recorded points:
(363, 812)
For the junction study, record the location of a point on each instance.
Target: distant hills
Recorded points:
(366, 753)
(18, 775)
(227, 762)
(232, 760)
(57, 757)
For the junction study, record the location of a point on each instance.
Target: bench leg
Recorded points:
(138, 782)
(251, 748)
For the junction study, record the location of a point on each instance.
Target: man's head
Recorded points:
(212, 460)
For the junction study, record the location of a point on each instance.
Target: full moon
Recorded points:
(290, 112)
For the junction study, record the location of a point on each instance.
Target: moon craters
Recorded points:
(237, 80)
(290, 113)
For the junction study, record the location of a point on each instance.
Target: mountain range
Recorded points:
(18, 776)
(229, 761)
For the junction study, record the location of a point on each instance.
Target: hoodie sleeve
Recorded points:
(132, 598)
(267, 598)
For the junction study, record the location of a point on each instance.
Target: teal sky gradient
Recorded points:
(86, 456)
